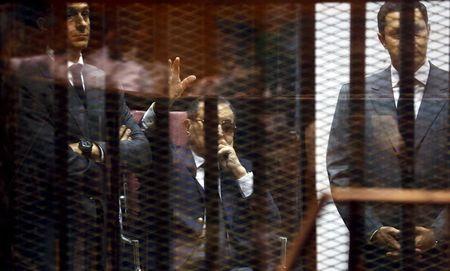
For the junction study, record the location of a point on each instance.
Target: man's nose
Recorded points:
(81, 23)
(219, 131)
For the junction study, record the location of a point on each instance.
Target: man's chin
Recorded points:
(79, 45)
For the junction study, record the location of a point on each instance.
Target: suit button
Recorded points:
(200, 220)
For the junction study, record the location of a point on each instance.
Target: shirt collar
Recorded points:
(199, 161)
(51, 54)
(421, 74)
(80, 61)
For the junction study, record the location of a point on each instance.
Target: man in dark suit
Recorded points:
(235, 193)
(383, 141)
(36, 144)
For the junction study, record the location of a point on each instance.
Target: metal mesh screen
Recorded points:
(228, 176)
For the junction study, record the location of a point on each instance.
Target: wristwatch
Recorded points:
(86, 147)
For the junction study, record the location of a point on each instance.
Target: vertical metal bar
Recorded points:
(307, 40)
(8, 102)
(160, 238)
(61, 156)
(211, 186)
(212, 200)
(111, 189)
(357, 126)
(260, 223)
(160, 187)
(446, 244)
(406, 125)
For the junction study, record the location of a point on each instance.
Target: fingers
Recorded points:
(420, 230)
(187, 82)
(392, 242)
(126, 135)
(170, 71)
(391, 237)
(223, 142)
(222, 149)
(393, 254)
(394, 232)
(122, 130)
(174, 68)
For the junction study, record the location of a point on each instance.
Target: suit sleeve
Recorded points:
(37, 142)
(135, 153)
(339, 159)
(240, 214)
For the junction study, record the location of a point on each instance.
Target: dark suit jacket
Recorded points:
(381, 148)
(188, 206)
(36, 174)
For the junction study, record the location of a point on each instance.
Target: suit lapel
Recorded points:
(95, 95)
(56, 73)
(184, 156)
(382, 98)
(434, 99)
(77, 110)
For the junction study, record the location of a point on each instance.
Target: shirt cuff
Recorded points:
(149, 117)
(372, 235)
(102, 153)
(246, 184)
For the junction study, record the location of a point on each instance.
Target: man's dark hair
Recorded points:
(30, 11)
(389, 7)
(193, 107)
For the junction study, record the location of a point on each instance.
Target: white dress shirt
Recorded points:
(421, 75)
(69, 73)
(70, 78)
(245, 182)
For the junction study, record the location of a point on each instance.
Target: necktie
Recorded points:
(404, 98)
(76, 69)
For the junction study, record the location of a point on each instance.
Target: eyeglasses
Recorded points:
(227, 126)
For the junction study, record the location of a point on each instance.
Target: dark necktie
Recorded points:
(405, 98)
(76, 69)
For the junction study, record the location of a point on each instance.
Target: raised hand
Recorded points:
(176, 85)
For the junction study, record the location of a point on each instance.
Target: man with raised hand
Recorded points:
(235, 186)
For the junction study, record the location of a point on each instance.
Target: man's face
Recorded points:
(78, 26)
(391, 38)
(196, 132)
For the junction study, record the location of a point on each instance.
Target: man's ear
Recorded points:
(187, 125)
(382, 39)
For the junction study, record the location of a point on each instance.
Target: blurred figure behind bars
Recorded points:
(237, 238)
(36, 84)
(383, 142)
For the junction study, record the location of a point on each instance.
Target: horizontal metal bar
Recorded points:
(392, 195)
(233, 2)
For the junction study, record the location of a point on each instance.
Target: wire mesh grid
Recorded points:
(250, 55)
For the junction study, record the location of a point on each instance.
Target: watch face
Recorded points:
(85, 146)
